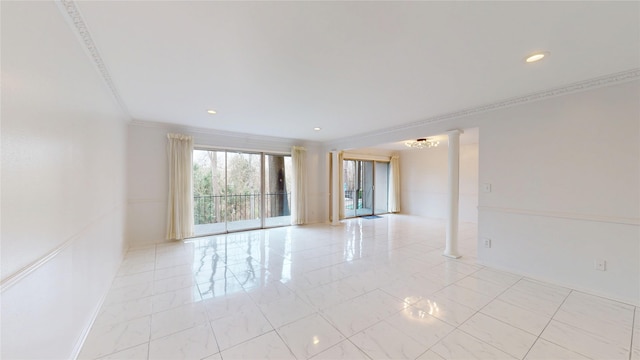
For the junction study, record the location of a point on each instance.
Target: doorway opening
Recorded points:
(366, 187)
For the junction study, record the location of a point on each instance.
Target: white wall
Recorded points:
(148, 173)
(424, 184)
(63, 148)
(565, 174)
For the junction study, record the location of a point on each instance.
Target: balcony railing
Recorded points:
(211, 209)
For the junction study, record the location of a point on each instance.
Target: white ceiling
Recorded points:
(282, 68)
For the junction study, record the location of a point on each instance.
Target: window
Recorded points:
(235, 190)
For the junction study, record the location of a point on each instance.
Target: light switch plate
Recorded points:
(486, 187)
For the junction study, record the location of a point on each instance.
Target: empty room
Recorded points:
(320, 180)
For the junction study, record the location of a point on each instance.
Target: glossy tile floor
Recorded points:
(376, 289)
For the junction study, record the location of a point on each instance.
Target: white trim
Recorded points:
(87, 329)
(146, 200)
(563, 215)
(233, 149)
(223, 133)
(14, 278)
(354, 156)
(72, 15)
(553, 281)
(27, 270)
(602, 81)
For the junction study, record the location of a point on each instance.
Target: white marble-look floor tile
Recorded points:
(105, 340)
(610, 319)
(177, 319)
(271, 292)
(240, 327)
(135, 353)
(128, 293)
(173, 283)
(223, 306)
(521, 318)
(465, 296)
(115, 313)
(329, 294)
(445, 309)
(505, 337)
(217, 356)
(419, 325)
(220, 288)
(496, 276)
(583, 342)
(287, 310)
(309, 336)
(382, 341)
(359, 313)
(547, 295)
(164, 273)
(531, 302)
(267, 346)
(194, 343)
(459, 345)
(430, 355)
(483, 287)
(344, 350)
(414, 287)
(370, 280)
(134, 268)
(133, 279)
(545, 350)
(635, 342)
(171, 299)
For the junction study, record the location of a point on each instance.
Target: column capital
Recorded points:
(454, 132)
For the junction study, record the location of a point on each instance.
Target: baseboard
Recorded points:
(628, 301)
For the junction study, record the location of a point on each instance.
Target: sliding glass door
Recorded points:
(365, 187)
(235, 191)
(244, 197)
(277, 211)
(209, 191)
(381, 192)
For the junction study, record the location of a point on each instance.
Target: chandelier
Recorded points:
(422, 143)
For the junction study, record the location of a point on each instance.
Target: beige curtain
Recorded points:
(299, 191)
(341, 185)
(394, 184)
(180, 202)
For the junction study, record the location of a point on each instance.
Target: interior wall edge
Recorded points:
(554, 281)
(457, 120)
(22, 273)
(563, 215)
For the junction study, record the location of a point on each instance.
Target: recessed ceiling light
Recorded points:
(317, 129)
(212, 112)
(536, 56)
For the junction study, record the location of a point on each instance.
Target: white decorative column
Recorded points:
(451, 249)
(335, 185)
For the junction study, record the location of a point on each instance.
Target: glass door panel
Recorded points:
(350, 185)
(365, 193)
(277, 187)
(381, 192)
(209, 192)
(358, 188)
(243, 205)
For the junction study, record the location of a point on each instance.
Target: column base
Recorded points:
(452, 256)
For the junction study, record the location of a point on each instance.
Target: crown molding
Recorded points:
(589, 84)
(72, 14)
(262, 139)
